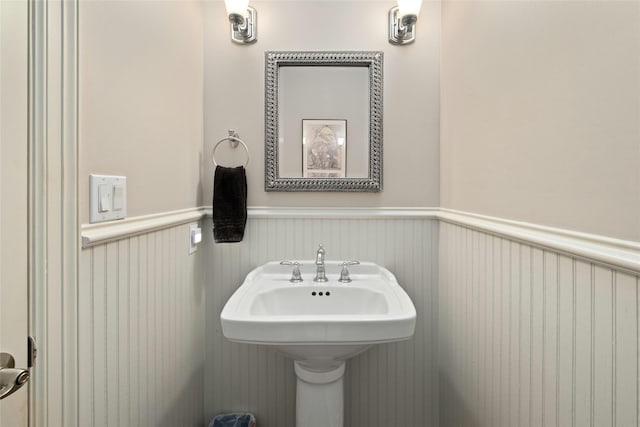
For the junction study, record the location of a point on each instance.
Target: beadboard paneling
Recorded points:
(141, 329)
(389, 385)
(528, 336)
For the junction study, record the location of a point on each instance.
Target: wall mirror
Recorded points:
(323, 121)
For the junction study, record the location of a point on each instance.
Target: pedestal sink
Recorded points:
(319, 325)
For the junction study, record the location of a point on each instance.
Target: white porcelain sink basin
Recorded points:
(319, 325)
(268, 309)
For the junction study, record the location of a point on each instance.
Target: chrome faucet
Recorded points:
(320, 275)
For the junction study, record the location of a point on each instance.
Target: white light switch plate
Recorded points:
(107, 198)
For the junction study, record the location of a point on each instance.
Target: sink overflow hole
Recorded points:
(314, 293)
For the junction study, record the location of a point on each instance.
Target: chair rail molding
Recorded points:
(342, 213)
(617, 253)
(105, 232)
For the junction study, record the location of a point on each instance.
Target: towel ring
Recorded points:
(234, 140)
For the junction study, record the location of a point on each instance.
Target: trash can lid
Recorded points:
(244, 419)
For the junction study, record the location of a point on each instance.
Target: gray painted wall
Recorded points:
(541, 112)
(234, 93)
(141, 68)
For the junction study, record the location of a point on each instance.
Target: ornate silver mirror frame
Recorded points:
(273, 61)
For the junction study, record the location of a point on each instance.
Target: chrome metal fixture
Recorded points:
(296, 277)
(244, 21)
(11, 378)
(344, 274)
(402, 21)
(320, 273)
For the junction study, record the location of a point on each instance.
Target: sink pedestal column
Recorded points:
(319, 393)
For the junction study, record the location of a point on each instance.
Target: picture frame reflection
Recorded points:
(324, 148)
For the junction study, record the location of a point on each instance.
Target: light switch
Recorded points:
(118, 197)
(107, 197)
(104, 197)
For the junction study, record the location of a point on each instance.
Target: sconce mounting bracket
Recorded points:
(401, 30)
(244, 30)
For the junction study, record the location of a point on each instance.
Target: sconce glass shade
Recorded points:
(409, 7)
(236, 6)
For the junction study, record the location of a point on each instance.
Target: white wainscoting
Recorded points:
(531, 336)
(389, 385)
(140, 331)
(517, 324)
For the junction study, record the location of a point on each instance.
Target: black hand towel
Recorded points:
(229, 204)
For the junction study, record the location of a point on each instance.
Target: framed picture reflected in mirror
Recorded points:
(324, 151)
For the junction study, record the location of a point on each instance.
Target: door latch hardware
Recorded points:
(32, 350)
(11, 379)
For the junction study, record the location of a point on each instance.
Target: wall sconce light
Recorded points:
(244, 21)
(402, 21)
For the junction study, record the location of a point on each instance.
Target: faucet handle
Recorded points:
(344, 274)
(296, 277)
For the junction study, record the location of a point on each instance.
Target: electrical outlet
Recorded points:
(195, 237)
